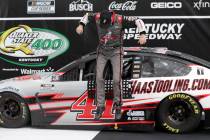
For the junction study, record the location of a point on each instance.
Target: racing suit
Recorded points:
(110, 48)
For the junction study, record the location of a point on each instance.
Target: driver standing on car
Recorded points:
(110, 28)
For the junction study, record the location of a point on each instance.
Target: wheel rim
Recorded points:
(179, 112)
(10, 109)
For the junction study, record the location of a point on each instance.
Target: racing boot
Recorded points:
(99, 112)
(117, 107)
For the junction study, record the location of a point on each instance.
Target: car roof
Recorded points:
(164, 51)
(145, 50)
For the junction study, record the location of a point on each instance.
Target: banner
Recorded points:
(39, 35)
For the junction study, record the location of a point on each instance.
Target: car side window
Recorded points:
(153, 66)
(71, 75)
(89, 72)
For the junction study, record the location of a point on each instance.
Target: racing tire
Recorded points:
(179, 113)
(14, 112)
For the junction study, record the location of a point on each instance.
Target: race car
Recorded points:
(160, 87)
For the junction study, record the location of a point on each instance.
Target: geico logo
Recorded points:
(156, 5)
(80, 7)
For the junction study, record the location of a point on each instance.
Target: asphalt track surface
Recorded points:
(30, 133)
(154, 135)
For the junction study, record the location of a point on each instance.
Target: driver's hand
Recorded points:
(79, 29)
(142, 39)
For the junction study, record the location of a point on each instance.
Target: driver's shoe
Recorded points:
(99, 112)
(117, 107)
(118, 114)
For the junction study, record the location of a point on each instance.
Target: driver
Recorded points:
(110, 28)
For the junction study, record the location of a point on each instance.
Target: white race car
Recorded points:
(160, 87)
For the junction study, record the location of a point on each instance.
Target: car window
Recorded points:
(153, 66)
(89, 72)
(71, 75)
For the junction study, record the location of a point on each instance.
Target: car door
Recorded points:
(157, 76)
(66, 87)
(70, 82)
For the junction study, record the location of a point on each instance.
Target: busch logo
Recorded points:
(127, 6)
(81, 5)
(200, 4)
(169, 5)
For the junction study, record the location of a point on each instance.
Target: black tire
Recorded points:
(179, 113)
(14, 112)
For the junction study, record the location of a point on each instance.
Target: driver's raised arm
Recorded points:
(128, 22)
(88, 17)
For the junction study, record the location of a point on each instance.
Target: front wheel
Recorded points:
(14, 112)
(179, 113)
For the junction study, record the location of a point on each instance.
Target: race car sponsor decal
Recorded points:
(86, 108)
(10, 88)
(26, 46)
(135, 115)
(35, 71)
(28, 71)
(164, 86)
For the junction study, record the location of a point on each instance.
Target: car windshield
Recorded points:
(64, 68)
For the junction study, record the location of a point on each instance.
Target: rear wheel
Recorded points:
(179, 113)
(14, 112)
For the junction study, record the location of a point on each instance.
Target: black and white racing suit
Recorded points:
(110, 48)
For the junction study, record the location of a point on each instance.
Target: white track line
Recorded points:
(46, 134)
(78, 18)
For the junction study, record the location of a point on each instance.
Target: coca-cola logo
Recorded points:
(127, 6)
